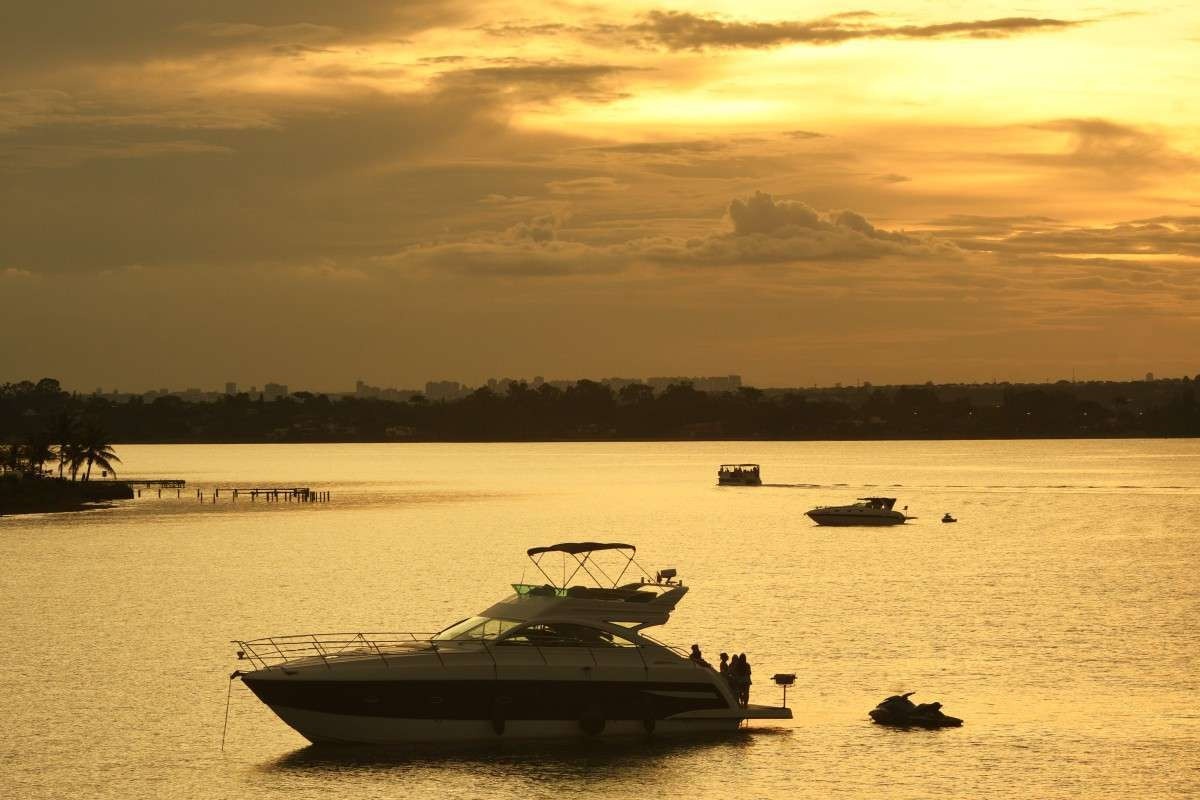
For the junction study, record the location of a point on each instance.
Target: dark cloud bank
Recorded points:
(682, 30)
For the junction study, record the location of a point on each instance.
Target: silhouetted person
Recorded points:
(724, 668)
(699, 659)
(745, 682)
(736, 676)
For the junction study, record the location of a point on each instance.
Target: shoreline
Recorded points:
(643, 439)
(53, 495)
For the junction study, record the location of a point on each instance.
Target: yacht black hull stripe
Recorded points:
(485, 699)
(851, 519)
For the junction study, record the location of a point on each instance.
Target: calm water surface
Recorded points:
(1058, 616)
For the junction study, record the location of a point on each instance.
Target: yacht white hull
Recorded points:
(324, 728)
(360, 703)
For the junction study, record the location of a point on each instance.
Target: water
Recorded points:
(1057, 617)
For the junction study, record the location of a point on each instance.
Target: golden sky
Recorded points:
(314, 192)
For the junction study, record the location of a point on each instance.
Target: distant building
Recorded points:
(230, 387)
(1149, 376)
(365, 391)
(274, 391)
(443, 390)
(721, 383)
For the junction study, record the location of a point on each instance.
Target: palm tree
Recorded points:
(75, 458)
(93, 447)
(37, 452)
(63, 432)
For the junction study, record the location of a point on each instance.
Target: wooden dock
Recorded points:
(155, 483)
(269, 494)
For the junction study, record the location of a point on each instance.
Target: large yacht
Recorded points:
(569, 657)
(867, 511)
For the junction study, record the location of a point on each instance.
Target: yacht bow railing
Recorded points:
(280, 651)
(275, 651)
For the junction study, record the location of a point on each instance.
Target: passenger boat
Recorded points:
(561, 659)
(739, 475)
(867, 511)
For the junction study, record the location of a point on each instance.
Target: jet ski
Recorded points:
(900, 712)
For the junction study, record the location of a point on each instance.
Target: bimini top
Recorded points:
(574, 548)
(588, 587)
(744, 466)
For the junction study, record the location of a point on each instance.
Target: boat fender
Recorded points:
(499, 717)
(649, 719)
(592, 721)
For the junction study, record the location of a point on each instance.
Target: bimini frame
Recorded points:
(582, 552)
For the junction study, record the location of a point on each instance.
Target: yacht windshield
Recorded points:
(565, 634)
(484, 628)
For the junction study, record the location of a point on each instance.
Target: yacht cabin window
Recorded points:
(477, 628)
(566, 634)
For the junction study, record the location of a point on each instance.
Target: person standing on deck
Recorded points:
(735, 677)
(745, 682)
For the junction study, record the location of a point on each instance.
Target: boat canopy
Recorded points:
(575, 548)
(742, 466)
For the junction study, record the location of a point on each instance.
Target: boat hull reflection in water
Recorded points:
(549, 661)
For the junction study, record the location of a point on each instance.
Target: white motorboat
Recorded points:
(549, 661)
(867, 511)
(739, 475)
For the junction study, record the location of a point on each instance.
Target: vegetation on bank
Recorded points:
(65, 439)
(70, 444)
(589, 410)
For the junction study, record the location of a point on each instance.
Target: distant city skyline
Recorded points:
(450, 389)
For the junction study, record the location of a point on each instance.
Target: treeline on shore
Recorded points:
(71, 443)
(588, 410)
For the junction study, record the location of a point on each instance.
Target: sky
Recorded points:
(797, 192)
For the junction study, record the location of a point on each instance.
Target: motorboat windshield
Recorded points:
(885, 503)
